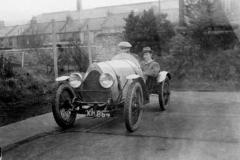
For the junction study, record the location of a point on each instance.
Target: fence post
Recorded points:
(23, 54)
(80, 36)
(54, 49)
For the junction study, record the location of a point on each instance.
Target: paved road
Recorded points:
(197, 126)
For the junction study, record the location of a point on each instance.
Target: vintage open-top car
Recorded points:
(106, 87)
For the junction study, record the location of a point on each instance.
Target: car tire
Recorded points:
(164, 94)
(61, 106)
(133, 106)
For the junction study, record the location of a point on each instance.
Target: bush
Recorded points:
(6, 69)
(188, 61)
(22, 86)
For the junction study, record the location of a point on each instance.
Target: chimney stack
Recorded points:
(34, 20)
(79, 5)
(33, 24)
(69, 18)
(2, 25)
(181, 13)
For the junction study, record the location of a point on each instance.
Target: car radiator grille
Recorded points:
(92, 91)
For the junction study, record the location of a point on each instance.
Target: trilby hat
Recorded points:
(147, 49)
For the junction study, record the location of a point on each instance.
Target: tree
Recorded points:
(165, 31)
(33, 39)
(148, 29)
(199, 54)
(203, 18)
(198, 21)
(74, 55)
(70, 55)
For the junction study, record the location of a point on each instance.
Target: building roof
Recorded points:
(14, 32)
(39, 28)
(103, 11)
(57, 16)
(6, 30)
(96, 18)
(14, 23)
(58, 26)
(116, 20)
(71, 26)
(94, 24)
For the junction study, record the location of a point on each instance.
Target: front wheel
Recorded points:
(133, 107)
(62, 106)
(164, 94)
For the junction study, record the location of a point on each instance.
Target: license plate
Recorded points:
(97, 113)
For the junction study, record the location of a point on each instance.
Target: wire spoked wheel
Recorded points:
(62, 108)
(133, 107)
(164, 94)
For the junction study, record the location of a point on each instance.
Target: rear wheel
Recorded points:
(62, 106)
(133, 107)
(164, 94)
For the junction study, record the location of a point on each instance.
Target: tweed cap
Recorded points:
(124, 45)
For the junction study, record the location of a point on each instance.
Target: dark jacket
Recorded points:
(151, 68)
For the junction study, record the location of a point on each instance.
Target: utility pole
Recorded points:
(55, 57)
(159, 6)
(89, 46)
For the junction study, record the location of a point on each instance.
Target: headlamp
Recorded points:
(75, 80)
(106, 80)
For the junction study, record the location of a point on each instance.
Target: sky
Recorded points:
(18, 10)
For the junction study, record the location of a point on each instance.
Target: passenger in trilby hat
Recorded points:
(149, 67)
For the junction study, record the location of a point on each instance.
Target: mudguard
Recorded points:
(135, 77)
(62, 78)
(162, 75)
(132, 76)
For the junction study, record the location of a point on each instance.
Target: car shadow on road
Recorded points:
(152, 107)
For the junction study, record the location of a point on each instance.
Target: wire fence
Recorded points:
(69, 58)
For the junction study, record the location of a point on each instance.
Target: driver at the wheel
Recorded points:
(125, 48)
